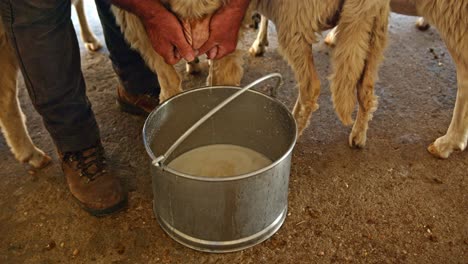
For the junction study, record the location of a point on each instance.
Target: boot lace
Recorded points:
(91, 162)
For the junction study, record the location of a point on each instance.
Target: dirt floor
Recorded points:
(391, 202)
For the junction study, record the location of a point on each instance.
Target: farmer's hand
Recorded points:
(224, 29)
(163, 28)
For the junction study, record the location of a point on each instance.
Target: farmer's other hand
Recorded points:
(224, 29)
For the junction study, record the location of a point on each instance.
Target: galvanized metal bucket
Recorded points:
(220, 214)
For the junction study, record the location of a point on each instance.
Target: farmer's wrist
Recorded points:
(236, 10)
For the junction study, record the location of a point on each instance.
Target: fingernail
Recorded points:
(196, 52)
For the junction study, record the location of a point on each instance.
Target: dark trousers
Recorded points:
(43, 37)
(133, 73)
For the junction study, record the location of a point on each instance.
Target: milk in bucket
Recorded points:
(219, 160)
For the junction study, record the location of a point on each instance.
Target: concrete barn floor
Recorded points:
(388, 203)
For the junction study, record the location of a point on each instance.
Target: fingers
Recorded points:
(183, 47)
(224, 50)
(172, 48)
(209, 44)
(185, 50)
(217, 51)
(171, 59)
(168, 53)
(212, 53)
(173, 55)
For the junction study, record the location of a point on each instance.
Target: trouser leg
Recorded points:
(46, 47)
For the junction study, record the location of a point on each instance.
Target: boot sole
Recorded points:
(131, 109)
(104, 212)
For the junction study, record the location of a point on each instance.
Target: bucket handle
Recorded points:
(158, 162)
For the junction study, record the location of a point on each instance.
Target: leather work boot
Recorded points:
(135, 104)
(96, 189)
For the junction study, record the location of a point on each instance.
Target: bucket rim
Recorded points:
(220, 179)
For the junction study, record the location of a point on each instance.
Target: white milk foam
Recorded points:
(219, 160)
